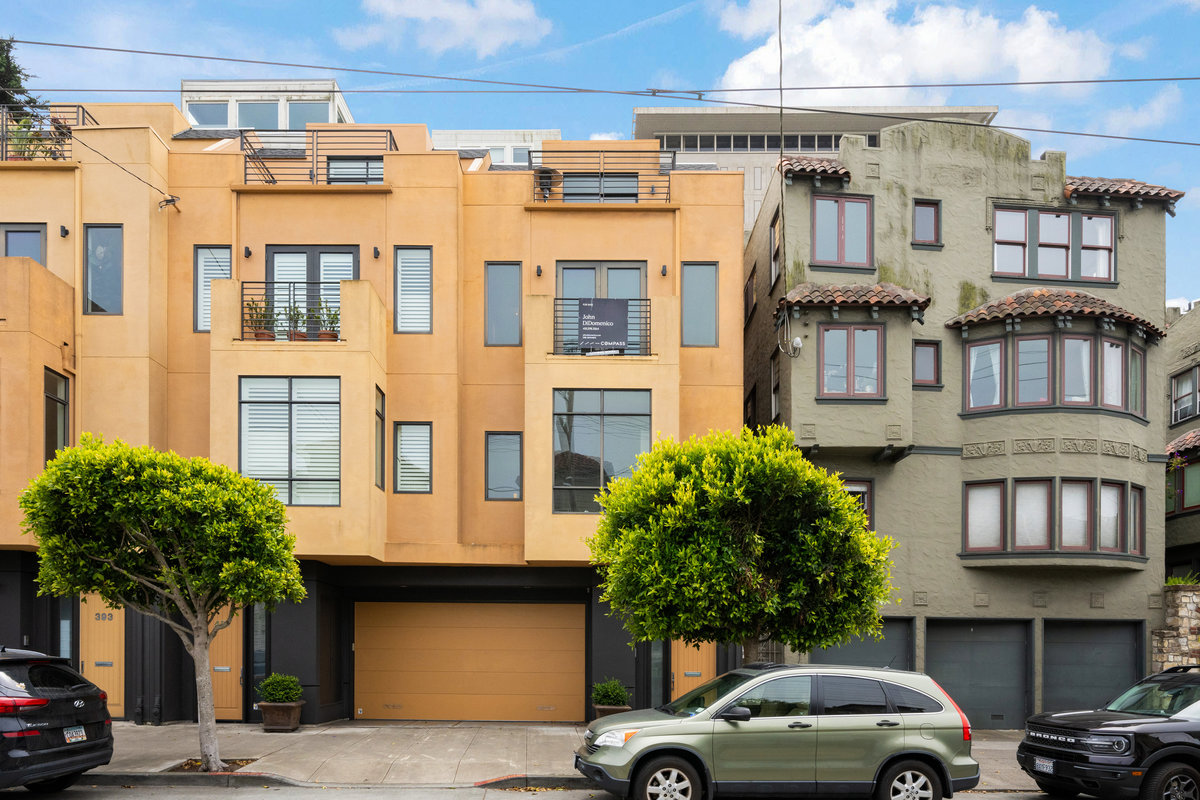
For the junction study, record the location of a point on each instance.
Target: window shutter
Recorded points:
(414, 281)
(413, 457)
(212, 263)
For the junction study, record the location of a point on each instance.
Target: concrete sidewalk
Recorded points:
(429, 754)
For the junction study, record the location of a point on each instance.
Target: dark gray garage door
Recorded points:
(894, 650)
(984, 665)
(1086, 664)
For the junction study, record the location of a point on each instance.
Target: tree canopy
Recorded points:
(12, 79)
(183, 540)
(736, 537)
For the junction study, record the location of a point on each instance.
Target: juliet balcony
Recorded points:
(601, 326)
(41, 132)
(601, 176)
(294, 311)
(316, 156)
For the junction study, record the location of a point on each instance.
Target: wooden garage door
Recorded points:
(486, 661)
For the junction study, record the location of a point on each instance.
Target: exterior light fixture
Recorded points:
(664, 270)
(539, 270)
(63, 232)
(246, 251)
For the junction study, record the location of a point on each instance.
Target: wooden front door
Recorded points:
(225, 659)
(102, 649)
(691, 666)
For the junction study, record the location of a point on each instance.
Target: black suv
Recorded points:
(1146, 742)
(54, 723)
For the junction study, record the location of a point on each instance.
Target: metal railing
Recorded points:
(291, 310)
(40, 132)
(601, 176)
(571, 334)
(334, 155)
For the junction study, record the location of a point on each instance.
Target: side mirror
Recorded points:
(735, 714)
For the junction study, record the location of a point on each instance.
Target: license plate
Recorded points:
(76, 734)
(1043, 764)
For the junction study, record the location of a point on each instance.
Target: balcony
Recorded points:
(295, 311)
(601, 176)
(601, 326)
(321, 156)
(40, 133)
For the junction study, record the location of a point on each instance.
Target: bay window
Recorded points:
(984, 516)
(1031, 515)
(1112, 519)
(851, 361)
(1033, 370)
(598, 435)
(985, 377)
(1076, 370)
(1137, 519)
(1075, 515)
(1112, 374)
(291, 437)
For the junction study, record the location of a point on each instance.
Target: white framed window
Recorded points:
(414, 290)
(211, 264)
(291, 437)
(414, 457)
(862, 491)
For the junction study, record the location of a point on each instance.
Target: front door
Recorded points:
(691, 666)
(225, 659)
(102, 649)
(777, 747)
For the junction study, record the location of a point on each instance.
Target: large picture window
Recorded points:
(851, 361)
(598, 434)
(103, 280)
(291, 437)
(1053, 245)
(841, 231)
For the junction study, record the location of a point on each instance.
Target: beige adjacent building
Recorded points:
(973, 339)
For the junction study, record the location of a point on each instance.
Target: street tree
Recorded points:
(14, 97)
(182, 540)
(736, 537)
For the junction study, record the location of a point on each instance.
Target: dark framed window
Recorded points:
(600, 187)
(750, 293)
(927, 222)
(304, 284)
(1054, 244)
(1033, 518)
(775, 396)
(985, 375)
(413, 447)
(503, 460)
(863, 492)
(210, 263)
(1183, 395)
(984, 516)
(103, 280)
(750, 409)
(851, 358)
(1033, 371)
(351, 170)
(598, 434)
(380, 437)
(927, 363)
(414, 290)
(503, 310)
(57, 423)
(1075, 515)
(698, 305)
(291, 437)
(841, 231)
(23, 240)
(613, 280)
(774, 246)
(1110, 532)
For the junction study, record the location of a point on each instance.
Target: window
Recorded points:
(102, 278)
(1183, 396)
(503, 465)
(503, 312)
(927, 222)
(209, 115)
(414, 285)
(1031, 515)
(1137, 519)
(380, 434)
(985, 377)
(861, 491)
(1112, 517)
(750, 293)
(303, 281)
(750, 410)
(841, 231)
(850, 361)
(291, 437)
(520, 155)
(258, 115)
(1112, 374)
(782, 697)
(927, 363)
(1053, 245)
(57, 422)
(910, 701)
(414, 457)
(600, 187)
(775, 399)
(1076, 370)
(347, 171)
(847, 695)
(1033, 371)
(698, 305)
(211, 263)
(301, 113)
(19, 240)
(1075, 515)
(598, 434)
(984, 517)
(1191, 487)
(773, 247)
(610, 280)
(1137, 381)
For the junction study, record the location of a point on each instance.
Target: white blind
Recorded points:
(212, 263)
(1075, 498)
(414, 285)
(985, 505)
(1110, 516)
(291, 437)
(413, 457)
(334, 267)
(1032, 517)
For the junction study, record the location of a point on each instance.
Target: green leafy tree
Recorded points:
(13, 94)
(736, 537)
(183, 540)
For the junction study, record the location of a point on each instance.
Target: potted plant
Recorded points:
(297, 317)
(24, 142)
(260, 318)
(610, 697)
(279, 702)
(329, 317)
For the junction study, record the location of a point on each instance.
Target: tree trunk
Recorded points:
(751, 650)
(210, 754)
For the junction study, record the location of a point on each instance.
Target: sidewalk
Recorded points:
(427, 754)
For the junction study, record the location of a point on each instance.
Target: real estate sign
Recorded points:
(603, 323)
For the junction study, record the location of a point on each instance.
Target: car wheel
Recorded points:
(53, 784)
(669, 778)
(1171, 781)
(1056, 791)
(910, 780)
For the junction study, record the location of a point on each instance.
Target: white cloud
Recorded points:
(485, 26)
(1133, 120)
(757, 17)
(865, 42)
(1138, 49)
(606, 136)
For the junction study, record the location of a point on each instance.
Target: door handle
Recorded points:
(799, 724)
(887, 723)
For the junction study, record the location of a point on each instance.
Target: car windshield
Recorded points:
(705, 695)
(1161, 696)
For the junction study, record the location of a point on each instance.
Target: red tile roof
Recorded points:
(1118, 187)
(1043, 302)
(1188, 441)
(810, 165)
(879, 294)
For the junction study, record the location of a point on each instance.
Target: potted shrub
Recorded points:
(610, 697)
(279, 701)
(260, 317)
(297, 317)
(329, 318)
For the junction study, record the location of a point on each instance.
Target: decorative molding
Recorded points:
(1154, 601)
(982, 599)
(895, 432)
(983, 449)
(1040, 599)
(1045, 445)
(1109, 447)
(1138, 453)
(920, 598)
(1086, 446)
(1037, 183)
(1097, 599)
(808, 431)
(872, 169)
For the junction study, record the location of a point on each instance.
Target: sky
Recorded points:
(697, 46)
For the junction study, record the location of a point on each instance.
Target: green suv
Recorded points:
(774, 729)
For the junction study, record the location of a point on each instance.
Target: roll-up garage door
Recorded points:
(894, 650)
(984, 665)
(1086, 664)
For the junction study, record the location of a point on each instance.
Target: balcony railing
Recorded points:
(601, 176)
(40, 132)
(291, 310)
(601, 326)
(332, 156)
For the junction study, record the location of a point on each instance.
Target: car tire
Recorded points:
(53, 785)
(668, 778)
(910, 780)
(1171, 780)
(1053, 790)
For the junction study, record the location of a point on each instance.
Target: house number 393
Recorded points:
(104, 616)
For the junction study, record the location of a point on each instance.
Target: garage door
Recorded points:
(455, 661)
(984, 665)
(1086, 664)
(894, 650)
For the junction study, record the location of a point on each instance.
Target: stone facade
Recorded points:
(1179, 642)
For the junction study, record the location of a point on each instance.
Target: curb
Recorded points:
(231, 780)
(538, 782)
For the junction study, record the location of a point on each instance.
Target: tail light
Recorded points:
(21, 734)
(966, 724)
(103, 695)
(15, 705)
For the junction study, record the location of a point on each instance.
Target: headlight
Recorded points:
(616, 737)
(1107, 744)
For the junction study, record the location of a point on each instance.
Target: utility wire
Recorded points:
(169, 199)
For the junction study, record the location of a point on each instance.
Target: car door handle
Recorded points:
(887, 723)
(799, 724)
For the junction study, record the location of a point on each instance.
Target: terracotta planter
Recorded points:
(327, 336)
(602, 711)
(280, 717)
(297, 336)
(264, 334)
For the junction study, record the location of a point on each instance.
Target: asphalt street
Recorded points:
(84, 791)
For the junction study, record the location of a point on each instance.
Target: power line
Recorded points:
(965, 85)
(169, 199)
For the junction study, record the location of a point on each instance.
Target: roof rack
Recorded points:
(763, 665)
